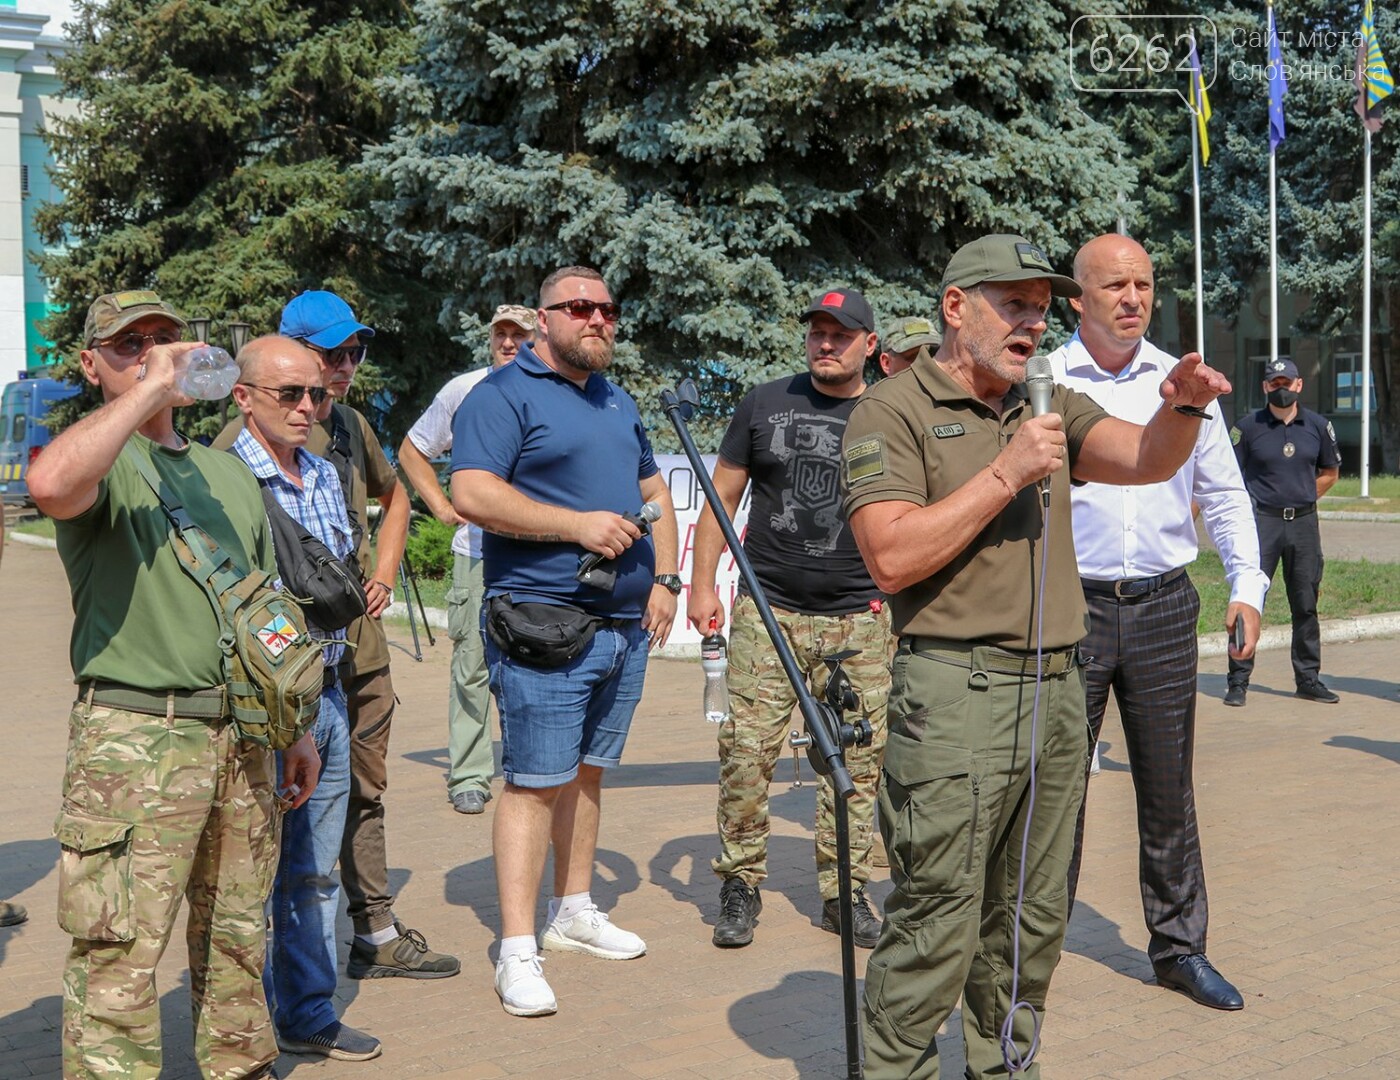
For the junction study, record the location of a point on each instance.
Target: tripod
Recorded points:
(408, 577)
(827, 734)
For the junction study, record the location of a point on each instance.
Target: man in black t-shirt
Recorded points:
(786, 438)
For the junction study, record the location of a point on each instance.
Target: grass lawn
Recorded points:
(1348, 588)
(1346, 495)
(38, 526)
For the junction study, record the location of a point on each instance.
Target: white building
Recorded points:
(31, 37)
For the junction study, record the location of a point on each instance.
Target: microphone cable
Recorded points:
(1011, 1055)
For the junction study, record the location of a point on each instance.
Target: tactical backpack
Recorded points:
(273, 668)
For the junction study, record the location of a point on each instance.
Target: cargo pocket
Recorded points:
(462, 617)
(94, 883)
(933, 794)
(897, 991)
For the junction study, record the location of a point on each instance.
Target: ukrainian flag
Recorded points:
(1200, 102)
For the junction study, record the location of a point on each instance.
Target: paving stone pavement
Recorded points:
(1297, 804)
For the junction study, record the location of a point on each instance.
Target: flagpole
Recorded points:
(1366, 324)
(1196, 209)
(1273, 258)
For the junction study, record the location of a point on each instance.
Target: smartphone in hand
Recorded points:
(1237, 635)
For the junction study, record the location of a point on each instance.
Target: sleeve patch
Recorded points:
(864, 460)
(1234, 436)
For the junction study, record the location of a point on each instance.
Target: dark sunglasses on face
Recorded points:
(292, 395)
(584, 309)
(132, 344)
(343, 354)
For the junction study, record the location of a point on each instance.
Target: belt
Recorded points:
(990, 658)
(208, 704)
(1131, 588)
(1288, 513)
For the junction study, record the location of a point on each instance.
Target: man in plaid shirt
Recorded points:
(278, 391)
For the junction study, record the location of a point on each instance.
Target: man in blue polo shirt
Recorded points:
(548, 457)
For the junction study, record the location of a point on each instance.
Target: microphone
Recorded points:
(1040, 384)
(593, 560)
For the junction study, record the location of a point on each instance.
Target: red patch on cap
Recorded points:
(833, 299)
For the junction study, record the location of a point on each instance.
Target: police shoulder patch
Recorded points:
(1235, 436)
(864, 460)
(1331, 431)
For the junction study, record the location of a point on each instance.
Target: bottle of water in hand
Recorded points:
(714, 661)
(206, 373)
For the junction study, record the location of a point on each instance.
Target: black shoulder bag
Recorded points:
(328, 590)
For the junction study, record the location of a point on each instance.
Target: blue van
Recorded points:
(22, 431)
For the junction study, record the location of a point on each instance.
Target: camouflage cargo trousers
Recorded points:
(155, 807)
(761, 701)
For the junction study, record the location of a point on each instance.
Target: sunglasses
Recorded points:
(292, 395)
(584, 309)
(132, 344)
(343, 354)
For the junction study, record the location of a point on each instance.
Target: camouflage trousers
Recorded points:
(155, 807)
(761, 701)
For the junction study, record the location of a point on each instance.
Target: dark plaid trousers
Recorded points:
(1145, 650)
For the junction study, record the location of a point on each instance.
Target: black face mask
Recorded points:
(1282, 397)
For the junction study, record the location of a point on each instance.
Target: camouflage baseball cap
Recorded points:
(910, 332)
(522, 316)
(114, 312)
(1004, 257)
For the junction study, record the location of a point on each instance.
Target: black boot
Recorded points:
(865, 926)
(739, 906)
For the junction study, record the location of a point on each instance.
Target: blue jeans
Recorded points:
(301, 966)
(553, 719)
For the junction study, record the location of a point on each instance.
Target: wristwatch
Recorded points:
(671, 581)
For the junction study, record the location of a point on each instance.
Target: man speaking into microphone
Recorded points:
(552, 460)
(941, 470)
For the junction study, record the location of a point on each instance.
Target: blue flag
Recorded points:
(1278, 86)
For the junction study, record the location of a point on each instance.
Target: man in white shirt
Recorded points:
(468, 723)
(1133, 545)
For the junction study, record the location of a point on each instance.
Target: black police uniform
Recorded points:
(1280, 463)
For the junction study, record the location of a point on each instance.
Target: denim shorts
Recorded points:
(553, 719)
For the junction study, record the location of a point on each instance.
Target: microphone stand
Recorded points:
(827, 734)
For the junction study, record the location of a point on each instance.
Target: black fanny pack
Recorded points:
(541, 635)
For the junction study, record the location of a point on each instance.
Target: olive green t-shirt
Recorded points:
(919, 437)
(139, 618)
(372, 477)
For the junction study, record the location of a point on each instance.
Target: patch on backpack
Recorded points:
(865, 460)
(277, 635)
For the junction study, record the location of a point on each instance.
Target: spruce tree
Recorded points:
(212, 159)
(722, 162)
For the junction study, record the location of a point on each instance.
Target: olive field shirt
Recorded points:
(919, 437)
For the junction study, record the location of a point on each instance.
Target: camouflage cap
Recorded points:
(522, 316)
(112, 313)
(911, 332)
(1004, 257)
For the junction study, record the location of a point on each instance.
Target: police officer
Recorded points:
(1289, 458)
(903, 340)
(943, 469)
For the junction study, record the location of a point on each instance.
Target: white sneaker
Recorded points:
(590, 931)
(520, 983)
(1094, 764)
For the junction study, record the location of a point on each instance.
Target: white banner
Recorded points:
(689, 498)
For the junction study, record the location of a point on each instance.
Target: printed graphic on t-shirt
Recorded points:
(809, 447)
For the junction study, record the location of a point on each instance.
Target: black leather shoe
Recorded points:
(739, 906)
(1195, 976)
(865, 927)
(1235, 696)
(1313, 690)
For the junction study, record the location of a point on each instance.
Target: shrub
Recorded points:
(429, 547)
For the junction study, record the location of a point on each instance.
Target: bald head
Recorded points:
(1115, 273)
(255, 357)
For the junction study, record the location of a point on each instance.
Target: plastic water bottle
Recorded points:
(207, 373)
(714, 661)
